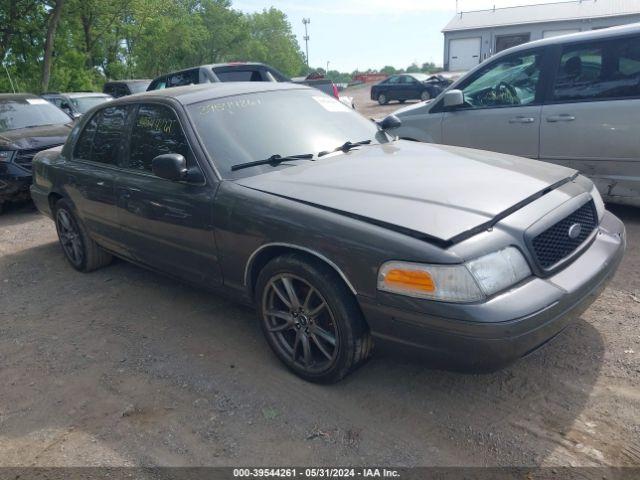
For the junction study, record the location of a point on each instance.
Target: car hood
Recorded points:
(438, 191)
(34, 137)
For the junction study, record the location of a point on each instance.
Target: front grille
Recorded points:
(25, 157)
(555, 244)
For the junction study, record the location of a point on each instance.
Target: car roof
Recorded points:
(600, 34)
(16, 96)
(135, 80)
(214, 65)
(75, 94)
(209, 91)
(86, 94)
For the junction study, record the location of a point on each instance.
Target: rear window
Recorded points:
(116, 90)
(599, 70)
(29, 112)
(239, 76)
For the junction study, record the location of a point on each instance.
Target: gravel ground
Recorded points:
(126, 367)
(370, 108)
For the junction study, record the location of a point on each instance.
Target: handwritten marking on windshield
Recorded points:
(229, 106)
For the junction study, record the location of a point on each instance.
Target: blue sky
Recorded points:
(361, 34)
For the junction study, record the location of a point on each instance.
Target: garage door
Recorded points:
(464, 53)
(557, 33)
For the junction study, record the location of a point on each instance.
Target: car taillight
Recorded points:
(335, 91)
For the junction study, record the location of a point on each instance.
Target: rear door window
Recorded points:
(599, 70)
(82, 150)
(102, 136)
(156, 131)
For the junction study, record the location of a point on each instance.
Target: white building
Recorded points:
(471, 37)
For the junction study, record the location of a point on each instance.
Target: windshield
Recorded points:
(29, 112)
(83, 104)
(246, 128)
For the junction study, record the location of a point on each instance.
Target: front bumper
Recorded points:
(508, 326)
(14, 183)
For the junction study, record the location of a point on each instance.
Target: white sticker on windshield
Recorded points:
(37, 101)
(331, 105)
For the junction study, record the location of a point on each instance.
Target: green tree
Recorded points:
(272, 41)
(413, 68)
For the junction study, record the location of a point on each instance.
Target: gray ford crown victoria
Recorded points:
(342, 236)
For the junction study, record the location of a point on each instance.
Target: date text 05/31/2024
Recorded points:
(315, 473)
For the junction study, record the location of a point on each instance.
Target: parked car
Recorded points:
(240, 72)
(338, 233)
(76, 103)
(28, 124)
(219, 72)
(121, 88)
(408, 86)
(573, 100)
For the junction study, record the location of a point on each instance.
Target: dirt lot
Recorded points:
(127, 367)
(370, 108)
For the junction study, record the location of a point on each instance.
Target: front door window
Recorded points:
(512, 81)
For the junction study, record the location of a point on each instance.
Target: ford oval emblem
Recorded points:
(574, 231)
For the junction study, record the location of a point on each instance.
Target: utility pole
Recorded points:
(306, 21)
(327, 66)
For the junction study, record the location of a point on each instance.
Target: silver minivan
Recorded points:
(572, 100)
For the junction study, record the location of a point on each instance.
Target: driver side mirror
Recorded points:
(170, 166)
(389, 122)
(453, 98)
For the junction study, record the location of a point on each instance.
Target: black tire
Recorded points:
(382, 99)
(401, 101)
(79, 249)
(425, 95)
(341, 317)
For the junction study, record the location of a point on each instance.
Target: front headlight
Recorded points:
(469, 282)
(6, 155)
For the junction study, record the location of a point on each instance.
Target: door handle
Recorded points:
(522, 119)
(564, 117)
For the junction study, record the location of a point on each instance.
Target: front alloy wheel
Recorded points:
(382, 99)
(300, 323)
(310, 318)
(424, 96)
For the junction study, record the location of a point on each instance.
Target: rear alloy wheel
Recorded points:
(310, 319)
(424, 96)
(80, 250)
(382, 99)
(70, 239)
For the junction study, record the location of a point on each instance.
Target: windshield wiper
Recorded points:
(273, 160)
(345, 147)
